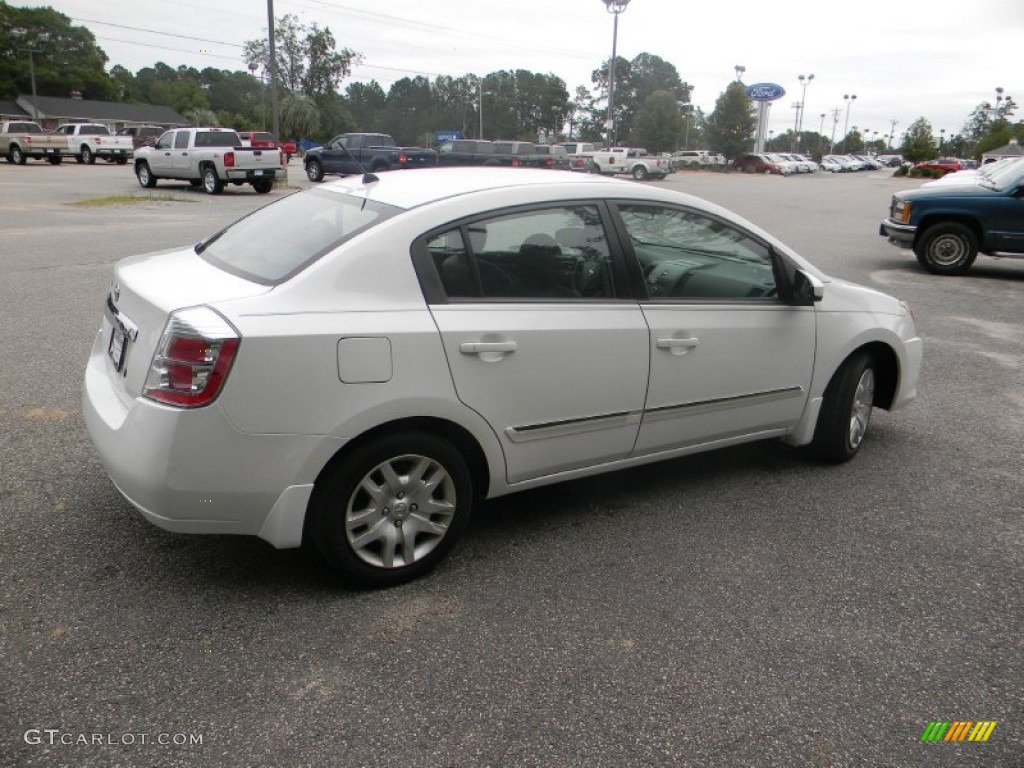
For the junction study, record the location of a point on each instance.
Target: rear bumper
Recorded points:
(901, 235)
(249, 176)
(192, 471)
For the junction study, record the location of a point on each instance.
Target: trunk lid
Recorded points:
(143, 293)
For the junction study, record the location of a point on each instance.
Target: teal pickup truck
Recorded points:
(948, 225)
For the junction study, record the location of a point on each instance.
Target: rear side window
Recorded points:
(558, 253)
(271, 245)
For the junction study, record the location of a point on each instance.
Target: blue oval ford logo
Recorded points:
(765, 92)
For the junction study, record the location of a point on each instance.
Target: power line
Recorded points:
(157, 32)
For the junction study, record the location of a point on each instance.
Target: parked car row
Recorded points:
(847, 163)
(698, 158)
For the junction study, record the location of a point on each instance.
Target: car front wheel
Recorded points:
(392, 509)
(947, 249)
(314, 171)
(846, 410)
(145, 176)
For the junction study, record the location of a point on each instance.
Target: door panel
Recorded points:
(723, 371)
(561, 385)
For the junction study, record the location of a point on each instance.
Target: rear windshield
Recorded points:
(24, 128)
(217, 139)
(278, 241)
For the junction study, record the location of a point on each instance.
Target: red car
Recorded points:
(755, 164)
(944, 164)
(265, 140)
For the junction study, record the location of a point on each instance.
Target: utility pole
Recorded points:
(892, 130)
(32, 73)
(275, 113)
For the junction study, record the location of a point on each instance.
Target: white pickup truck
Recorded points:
(22, 139)
(87, 141)
(632, 160)
(211, 158)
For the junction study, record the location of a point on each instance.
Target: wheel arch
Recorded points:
(955, 218)
(457, 435)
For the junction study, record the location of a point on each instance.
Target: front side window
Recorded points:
(688, 255)
(165, 140)
(553, 253)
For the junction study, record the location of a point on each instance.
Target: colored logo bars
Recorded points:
(958, 730)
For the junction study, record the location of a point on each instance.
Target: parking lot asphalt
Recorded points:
(743, 607)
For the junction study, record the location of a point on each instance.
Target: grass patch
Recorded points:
(100, 202)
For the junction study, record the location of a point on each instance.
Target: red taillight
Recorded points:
(403, 159)
(229, 159)
(192, 359)
(515, 162)
(549, 161)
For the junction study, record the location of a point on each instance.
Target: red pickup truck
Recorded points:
(264, 140)
(944, 164)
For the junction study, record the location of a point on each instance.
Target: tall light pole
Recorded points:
(804, 81)
(32, 74)
(740, 69)
(614, 7)
(480, 106)
(892, 133)
(849, 102)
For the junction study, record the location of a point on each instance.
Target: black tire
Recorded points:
(122, 161)
(369, 549)
(78, 159)
(947, 249)
(211, 181)
(17, 156)
(145, 176)
(846, 410)
(87, 156)
(639, 173)
(660, 177)
(263, 186)
(314, 171)
(55, 159)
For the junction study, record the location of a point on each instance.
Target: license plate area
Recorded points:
(117, 347)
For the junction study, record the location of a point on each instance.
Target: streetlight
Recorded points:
(740, 69)
(253, 66)
(942, 139)
(804, 81)
(614, 7)
(849, 102)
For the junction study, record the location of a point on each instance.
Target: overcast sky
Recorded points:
(903, 60)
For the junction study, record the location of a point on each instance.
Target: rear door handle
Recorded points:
(478, 347)
(678, 343)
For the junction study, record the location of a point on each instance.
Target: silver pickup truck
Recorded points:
(210, 158)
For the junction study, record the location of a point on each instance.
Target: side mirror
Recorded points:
(807, 289)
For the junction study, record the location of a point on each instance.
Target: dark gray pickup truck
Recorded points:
(351, 153)
(948, 225)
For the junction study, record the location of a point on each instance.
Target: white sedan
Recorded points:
(354, 365)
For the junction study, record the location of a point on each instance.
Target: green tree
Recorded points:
(65, 56)
(408, 111)
(918, 142)
(658, 125)
(366, 102)
(307, 58)
(300, 116)
(732, 125)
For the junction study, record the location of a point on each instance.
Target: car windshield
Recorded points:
(1004, 178)
(276, 242)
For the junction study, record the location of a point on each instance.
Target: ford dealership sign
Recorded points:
(765, 92)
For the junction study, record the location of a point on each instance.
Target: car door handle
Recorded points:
(678, 343)
(478, 347)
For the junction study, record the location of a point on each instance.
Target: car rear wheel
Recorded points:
(392, 509)
(639, 173)
(145, 176)
(947, 249)
(263, 186)
(314, 170)
(211, 181)
(846, 410)
(55, 159)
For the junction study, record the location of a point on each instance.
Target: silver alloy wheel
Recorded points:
(860, 413)
(948, 249)
(400, 511)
